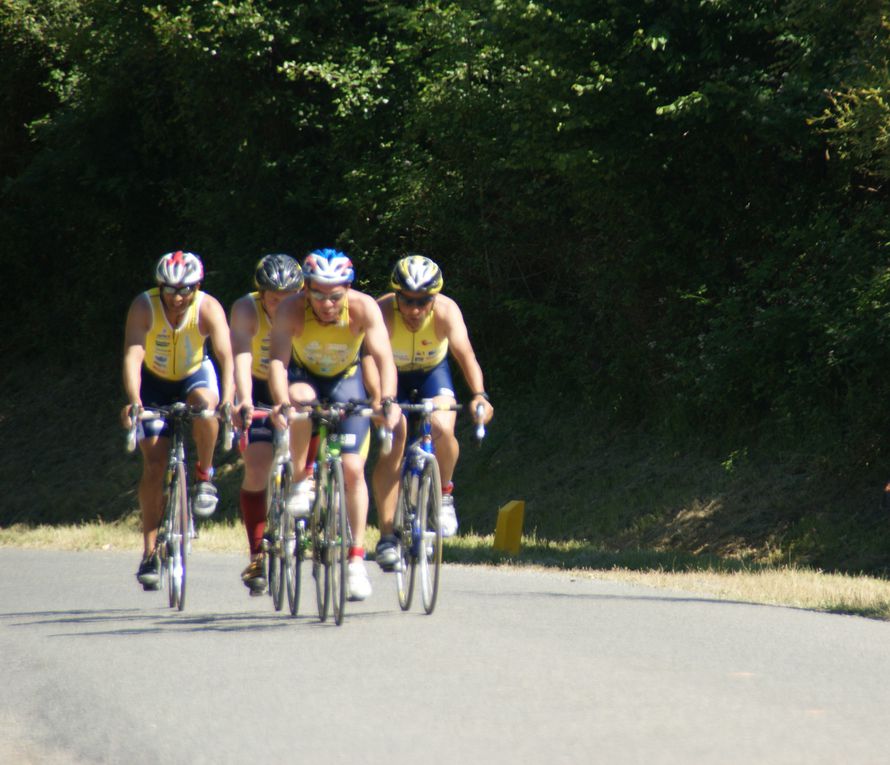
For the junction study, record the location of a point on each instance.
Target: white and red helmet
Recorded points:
(328, 266)
(179, 269)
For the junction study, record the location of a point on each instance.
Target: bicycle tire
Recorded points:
(274, 555)
(403, 527)
(290, 550)
(429, 522)
(180, 537)
(320, 569)
(166, 550)
(338, 541)
(293, 546)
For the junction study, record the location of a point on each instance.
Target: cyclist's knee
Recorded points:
(257, 464)
(204, 397)
(353, 468)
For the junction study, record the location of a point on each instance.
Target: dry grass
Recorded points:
(120, 535)
(785, 586)
(775, 585)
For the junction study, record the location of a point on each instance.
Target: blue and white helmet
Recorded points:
(179, 269)
(328, 266)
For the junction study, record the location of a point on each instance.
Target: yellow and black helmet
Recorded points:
(417, 273)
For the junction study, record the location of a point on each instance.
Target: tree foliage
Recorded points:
(675, 210)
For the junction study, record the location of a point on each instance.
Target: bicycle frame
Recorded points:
(417, 454)
(177, 527)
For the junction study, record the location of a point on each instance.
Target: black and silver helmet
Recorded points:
(278, 273)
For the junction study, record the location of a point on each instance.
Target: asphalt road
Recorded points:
(513, 667)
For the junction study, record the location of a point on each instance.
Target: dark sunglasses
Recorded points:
(415, 302)
(182, 291)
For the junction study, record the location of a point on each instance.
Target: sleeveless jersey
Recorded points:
(416, 351)
(327, 350)
(173, 353)
(260, 342)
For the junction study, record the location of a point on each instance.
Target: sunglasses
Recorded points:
(334, 297)
(415, 302)
(182, 291)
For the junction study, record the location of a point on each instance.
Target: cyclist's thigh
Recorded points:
(354, 431)
(154, 392)
(201, 387)
(438, 383)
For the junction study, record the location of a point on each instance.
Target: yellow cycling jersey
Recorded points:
(173, 353)
(261, 341)
(327, 350)
(416, 351)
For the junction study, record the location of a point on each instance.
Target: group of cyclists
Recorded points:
(303, 334)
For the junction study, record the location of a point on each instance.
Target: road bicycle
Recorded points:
(177, 527)
(417, 523)
(330, 535)
(285, 540)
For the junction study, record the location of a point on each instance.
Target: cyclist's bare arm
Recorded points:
(387, 306)
(287, 325)
(450, 324)
(135, 332)
(212, 322)
(243, 326)
(376, 343)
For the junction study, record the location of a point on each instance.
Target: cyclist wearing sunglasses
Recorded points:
(276, 277)
(165, 362)
(424, 326)
(317, 338)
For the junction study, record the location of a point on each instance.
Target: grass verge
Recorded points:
(726, 579)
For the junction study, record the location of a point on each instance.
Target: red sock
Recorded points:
(448, 487)
(203, 475)
(357, 552)
(253, 512)
(311, 455)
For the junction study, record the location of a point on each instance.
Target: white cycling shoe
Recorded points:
(357, 583)
(447, 516)
(299, 500)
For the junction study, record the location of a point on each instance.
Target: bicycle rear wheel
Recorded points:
(320, 568)
(403, 527)
(430, 551)
(338, 541)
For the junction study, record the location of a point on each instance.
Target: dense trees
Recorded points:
(679, 208)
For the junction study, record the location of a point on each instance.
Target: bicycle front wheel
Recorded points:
(430, 552)
(293, 556)
(275, 533)
(320, 568)
(179, 538)
(338, 541)
(403, 526)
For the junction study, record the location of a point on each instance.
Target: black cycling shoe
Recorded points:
(387, 552)
(254, 576)
(148, 574)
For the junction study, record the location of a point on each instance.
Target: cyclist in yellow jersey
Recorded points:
(276, 277)
(424, 326)
(316, 340)
(165, 362)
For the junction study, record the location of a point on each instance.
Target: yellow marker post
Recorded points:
(508, 532)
